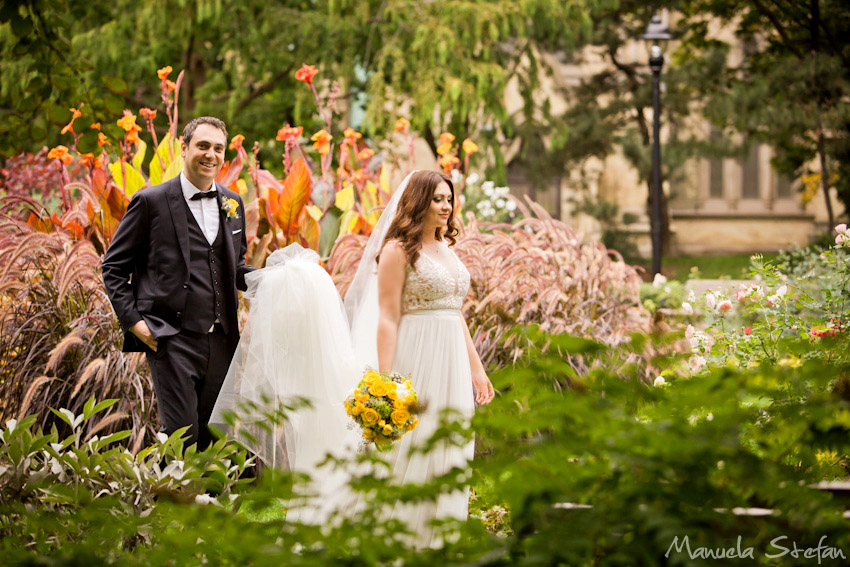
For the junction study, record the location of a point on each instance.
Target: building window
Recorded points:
(750, 174)
(715, 167)
(783, 186)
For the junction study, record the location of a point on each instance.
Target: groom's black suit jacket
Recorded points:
(146, 269)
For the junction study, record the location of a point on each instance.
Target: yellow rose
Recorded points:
(413, 424)
(371, 376)
(400, 416)
(368, 434)
(378, 388)
(409, 402)
(388, 430)
(347, 407)
(358, 409)
(370, 416)
(361, 397)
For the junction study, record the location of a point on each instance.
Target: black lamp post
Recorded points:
(657, 36)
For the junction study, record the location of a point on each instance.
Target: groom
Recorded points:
(172, 272)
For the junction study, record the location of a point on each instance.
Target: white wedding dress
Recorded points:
(297, 344)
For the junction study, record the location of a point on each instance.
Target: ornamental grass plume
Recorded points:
(60, 336)
(534, 272)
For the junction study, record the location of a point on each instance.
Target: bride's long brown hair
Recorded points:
(409, 222)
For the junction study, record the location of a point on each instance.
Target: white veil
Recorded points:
(298, 345)
(361, 300)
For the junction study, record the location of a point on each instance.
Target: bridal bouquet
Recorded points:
(383, 404)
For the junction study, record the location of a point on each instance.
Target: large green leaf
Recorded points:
(139, 158)
(329, 231)
(133, 181)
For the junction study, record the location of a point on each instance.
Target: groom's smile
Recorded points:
(204, 155)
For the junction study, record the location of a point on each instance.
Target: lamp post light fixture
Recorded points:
(656, 37)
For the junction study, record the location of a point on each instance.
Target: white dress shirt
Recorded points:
(205, 211)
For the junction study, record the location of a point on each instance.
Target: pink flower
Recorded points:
(710, 300)
(724, 306)
(748, 330)
(689, 332)
(841, 228)
(687, 308)
(696, 362)
(783, 289)
(742, 292)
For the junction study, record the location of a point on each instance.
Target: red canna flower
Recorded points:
(164, 72)
(147, 113)
(90, 160)
(289, 132)
(133, 134)
(95, 126)
(172, 86)
(102, 140)
(306, 73)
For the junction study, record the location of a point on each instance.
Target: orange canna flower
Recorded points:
(164, 72)
(236, 142)
(102, 140)
(306, 73)
(443, 149)
(147, 113)
(402, 124)
(95, 126)
(128, 121)
(172, 86)
(469, 146)
(289, 132)
(133, 134)
(446, 138)
(89, 159)
(351, 135)
(322, 141)
(60, 153)
(449, 162)
(365, 154)
(70, 126)
(359, 175)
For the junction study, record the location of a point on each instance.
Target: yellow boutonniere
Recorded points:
(231, 208)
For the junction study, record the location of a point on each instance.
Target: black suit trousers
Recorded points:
(188, 370)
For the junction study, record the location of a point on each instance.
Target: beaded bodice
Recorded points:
(431, 285)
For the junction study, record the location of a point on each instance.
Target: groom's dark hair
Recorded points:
(190, 128)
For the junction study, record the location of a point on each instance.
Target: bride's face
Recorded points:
(440, 209)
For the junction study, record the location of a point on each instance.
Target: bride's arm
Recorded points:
(390, 285)
(483, 388)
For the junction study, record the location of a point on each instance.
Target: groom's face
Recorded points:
(204, 155)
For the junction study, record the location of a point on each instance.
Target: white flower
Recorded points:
(462, 200)
(487, 185)
(710, 300)
(204, 499)
(488, 190)
(500, 203)
(696, 362)
(667, 289)
(709, 417)
(783, 289)
(658, 280)
(161, 437)
(692, 296)
(687, 308)
(472, 179)
(485, 204)
(456, 176)
(510, 205)
(11, 425)
(502, 191)
(659, 381)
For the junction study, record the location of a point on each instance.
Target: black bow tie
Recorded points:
(203, 195)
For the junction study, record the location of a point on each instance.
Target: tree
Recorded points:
(443, 64)
(793, 83)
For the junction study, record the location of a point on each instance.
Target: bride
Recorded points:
(404, 312)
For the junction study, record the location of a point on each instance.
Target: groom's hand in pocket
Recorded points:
(141, 330)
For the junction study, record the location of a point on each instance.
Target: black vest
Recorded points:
(207, 300)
